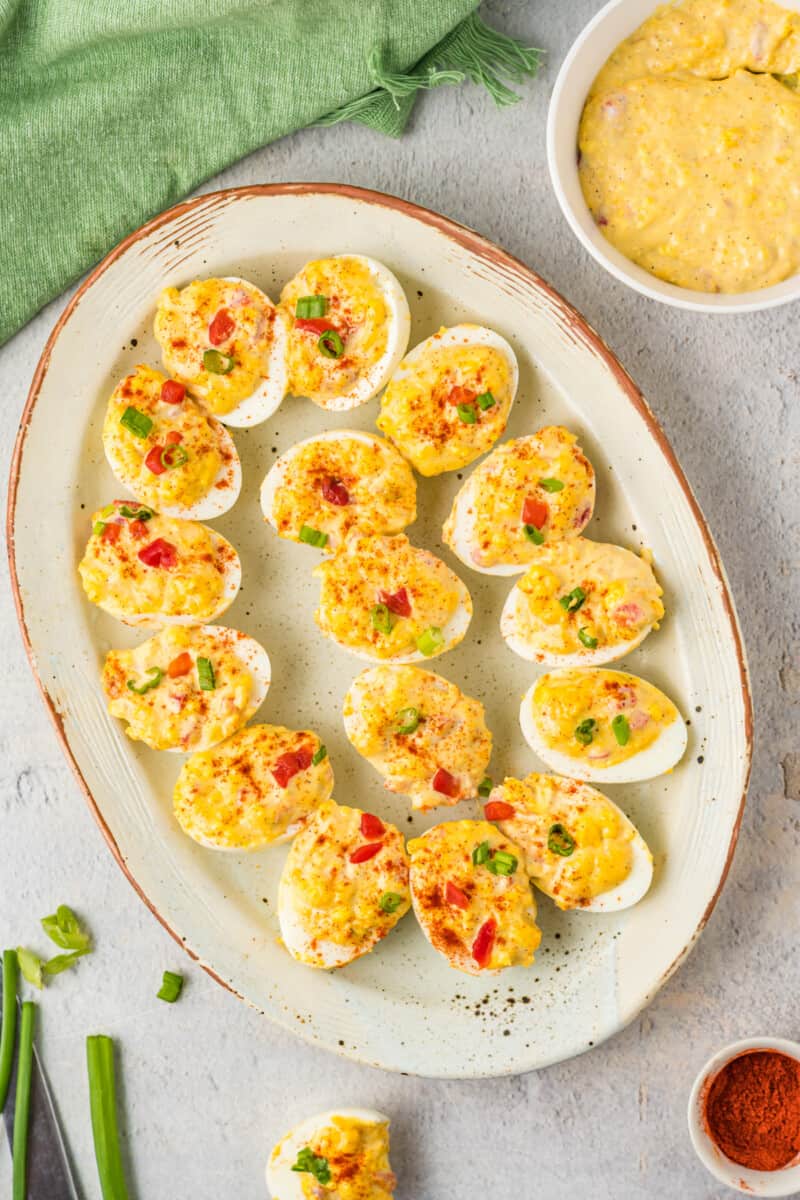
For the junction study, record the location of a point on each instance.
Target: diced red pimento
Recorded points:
(461, 395)
(221, 327)
(153, 461)
(364, 853)
(173, 438)
(138, 529)
(484, 942)
(111, 532)
(289, 764)
(454, 896)
(498, 810)
(159, 553)
(172, 392)
(318, 325)
(534, 512)
(181, 665)
(334, 491)
(397, 602)
(372, 827)
(445, 783)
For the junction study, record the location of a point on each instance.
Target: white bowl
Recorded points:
(589, 51)
(784, 1182)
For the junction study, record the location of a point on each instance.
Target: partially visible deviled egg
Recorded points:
(226, 341)
(162, 446)
(420, 731)
(344, 886)
(579, 848)
(530, 492)
(258, 787)
(582, 603)
(187, 689)
(448, 401)
(472, 897)
(339, 1155)
(592, 723)
(348, 324)
(384, 599)
(150, 570)
(328, 487)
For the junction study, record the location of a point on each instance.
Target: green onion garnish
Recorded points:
(331, 344)
(407, 720)
(313, 1164)
(466, 413)
(502, 863)
(584, 731)
(560, 841)
(108, 511)
(621, 728)
(205, 675)
(551, 485)
(156, 675)
(480, 854)
(533, 534)
(9, 1029)
(22, 1103)
(586, 639)
(308, 307)
(134, 514)
(103, 1105)
(217, 363)
(485, 400)
(174, 456)
(64, 928)
(382, 619)
(390, 901)
(30, 964)
(313, 537)
(485, 787)
(573, 600)
(62, 962)
(98, 527)
(320, 755)
(430, 640)
(171, 986)
(137, 422)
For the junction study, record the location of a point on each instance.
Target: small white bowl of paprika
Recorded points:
(744, 1116)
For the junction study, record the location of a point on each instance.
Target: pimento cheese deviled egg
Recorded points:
(150, 570)
(344, 886)
(472, 897)
(421, 733)
(582, 603)
(167, 451)
(226, 341)
(598, 724)
(448, 402)
(348, 323)
(383, 599)
(187, 689)
(530, 492)
(338, 1155)
(579, 848)
(328, 487)
(257, 788)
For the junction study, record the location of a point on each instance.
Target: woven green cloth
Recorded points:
(111, 110)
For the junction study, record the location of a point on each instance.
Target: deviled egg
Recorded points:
(344, 886)
(170, 454)
(328, 487)
(348, 324)
(594, 723)
(582, 603)
(150, 570)
(579, 848)
(421, 733)
(258, 787)
(226, 341)
(472, 897)
(187, 689)
(448, 402)
(339, 1155)
(382, 598)
(531, 492)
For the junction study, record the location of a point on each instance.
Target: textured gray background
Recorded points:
(209, 1085)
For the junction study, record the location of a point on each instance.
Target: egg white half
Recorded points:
(232, 582)
(509, 625)
(282, 1181)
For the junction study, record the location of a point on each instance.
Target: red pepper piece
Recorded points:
(138, 529)
(534, 512)
(181, 665)
(153, 461)
(289, 764)
(111, 532)
(461, 395)
(371, 827)
(221, 327)
(397, 602)
(172, 392)
(484, 942)
(445, 783)
(173, 438)
(318, 325)
(159, 554)
(334, 491)
(366, 852)
(454, 896)
(498, 810)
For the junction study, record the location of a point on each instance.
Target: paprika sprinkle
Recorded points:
(752, 1110)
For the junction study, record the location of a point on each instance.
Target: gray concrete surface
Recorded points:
(208, 1085)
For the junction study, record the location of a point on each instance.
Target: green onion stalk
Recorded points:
(22, 1105)
(9, 1030)
(103, 1104)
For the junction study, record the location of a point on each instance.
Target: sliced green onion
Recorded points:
(430, 640)
(407, 720)
(534, 535)
(313, 537)
(313, 1164)
(171, 986)
(621, 729)
(320, 756)
(560, 841)
(30, 964)
(485, 400)
(136, 422)
(584, 731)
(103, 1105)
(174, 456)
(586, 639)
(205, 675)
(135, 514)
(308, 307)
(22, 1103)
(573, 600)
(331, 344)
(381, 618)
(485, 787)
(480, 854)
(156, 675)
(551, 485)
(9, 1030)
(98, 527)
(502, 863)
(390, 901)
(466, 413)
(64, 928)
(217, 363)
(62, 962)
(108, 511)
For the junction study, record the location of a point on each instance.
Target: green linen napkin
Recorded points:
(111, 110)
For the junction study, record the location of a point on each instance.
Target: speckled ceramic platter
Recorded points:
(400, 1007)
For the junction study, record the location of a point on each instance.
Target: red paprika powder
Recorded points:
(752, 1109)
